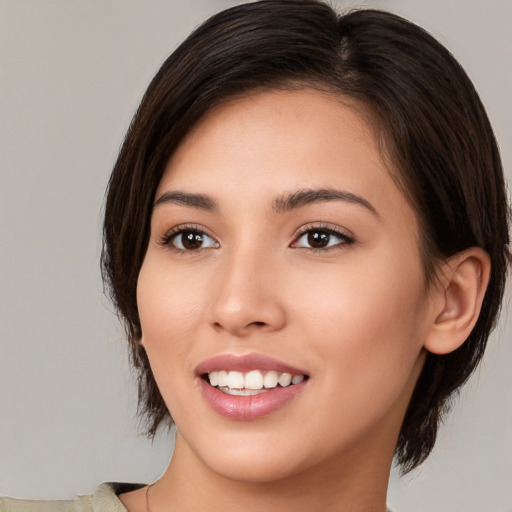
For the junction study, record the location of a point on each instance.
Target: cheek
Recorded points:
(367, 320)
(167, 300)
(364, 332)
(169, 310)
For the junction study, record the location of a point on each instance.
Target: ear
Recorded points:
(458, 299)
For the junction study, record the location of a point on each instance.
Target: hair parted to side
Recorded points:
(433, 128)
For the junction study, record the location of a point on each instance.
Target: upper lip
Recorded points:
(246, 363)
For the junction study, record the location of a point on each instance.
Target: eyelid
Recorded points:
(344, 235)
(346, 238)
(166, 239)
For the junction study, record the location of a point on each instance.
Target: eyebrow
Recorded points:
(292, 201)
(305, 197)
(201, 201)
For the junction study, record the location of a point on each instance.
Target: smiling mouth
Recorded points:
(251, 383)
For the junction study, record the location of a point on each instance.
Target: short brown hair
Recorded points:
(431, 121)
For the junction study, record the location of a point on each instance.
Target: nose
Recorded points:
(247, 297)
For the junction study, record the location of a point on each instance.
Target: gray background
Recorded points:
(71, 76)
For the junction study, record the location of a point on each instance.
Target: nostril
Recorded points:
(257, 323)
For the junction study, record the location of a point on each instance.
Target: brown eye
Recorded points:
(318, 239)
(322, 238)
(191, 240)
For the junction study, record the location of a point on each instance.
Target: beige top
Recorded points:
(104, 499)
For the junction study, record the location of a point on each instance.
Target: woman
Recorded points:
(306, 236)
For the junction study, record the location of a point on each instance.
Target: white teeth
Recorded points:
(235, 380)
(284, 379)
(270, 380)
(242, 392)
(251, 383)
(222, 378)
(296, 379)
(214, 378)
(253, 380)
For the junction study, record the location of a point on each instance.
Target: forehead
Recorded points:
(275, 142)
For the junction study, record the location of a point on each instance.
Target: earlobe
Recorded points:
(460, 292)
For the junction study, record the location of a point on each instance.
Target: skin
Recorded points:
(356, 316)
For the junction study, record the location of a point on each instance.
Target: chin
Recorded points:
(250, 457)
(259, 470)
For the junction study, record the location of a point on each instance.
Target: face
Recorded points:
(282, 250)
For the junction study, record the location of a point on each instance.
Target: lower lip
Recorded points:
(249, 407)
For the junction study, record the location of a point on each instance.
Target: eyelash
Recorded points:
(345, 240)
(168, 238)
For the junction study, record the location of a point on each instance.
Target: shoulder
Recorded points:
(104, 499)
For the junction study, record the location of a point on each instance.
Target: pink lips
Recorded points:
(247, 407)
